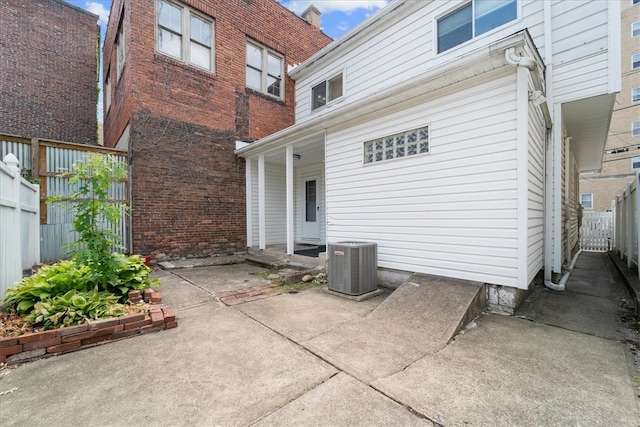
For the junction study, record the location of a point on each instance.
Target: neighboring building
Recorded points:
(427, 129)
(184, 80)
(622, 155)
(48, 71)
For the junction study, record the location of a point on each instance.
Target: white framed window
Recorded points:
(586, 200)
(635, 61)
(264, 70)
(415, 141)
(120, 49)
(107, 93)
(326, 91)
(635, 128)
(636, 1)
(635, 29)
(473, 19)
(184, 34)
(635, 94)
(635, 162)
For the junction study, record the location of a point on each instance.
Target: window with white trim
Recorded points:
(635, 128)
(635, 29)
(120, 49)
(635, 162)
(586, 200)
(264, 70)
(473, 19)
(635, 94)
(184, 34)
(107, 93)
(399, 145)
(327, 91)
(635, 61)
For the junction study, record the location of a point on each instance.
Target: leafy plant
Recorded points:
(132, 273)
(93, 208)
(50, 280)
(73, 308)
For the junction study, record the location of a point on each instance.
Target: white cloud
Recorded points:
(343, 25)
(328, 6)
(98, 9)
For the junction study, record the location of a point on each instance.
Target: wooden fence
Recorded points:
(596, 231)
(625, 223)
(19, 224)
(45, 161)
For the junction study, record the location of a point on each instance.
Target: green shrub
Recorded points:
(74, 308)
(131, 273)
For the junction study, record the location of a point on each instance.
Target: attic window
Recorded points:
(473, 19)
(325, 92)
(403, 144)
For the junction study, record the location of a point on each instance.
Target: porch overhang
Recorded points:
(587, 122)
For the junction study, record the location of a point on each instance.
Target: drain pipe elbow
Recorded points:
(561, 285)
(519, 61)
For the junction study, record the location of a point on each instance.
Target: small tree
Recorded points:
(92, 209)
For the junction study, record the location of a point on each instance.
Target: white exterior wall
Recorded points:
(535, 190)
(417, 208)
(408, 47)
(275, 203)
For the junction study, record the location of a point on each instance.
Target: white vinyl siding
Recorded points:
(275, 203)
(417, 209)
(535, 188)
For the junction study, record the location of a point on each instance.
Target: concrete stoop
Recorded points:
(419, 318)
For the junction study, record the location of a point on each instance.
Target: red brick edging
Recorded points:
(239, 296)
(73, 338)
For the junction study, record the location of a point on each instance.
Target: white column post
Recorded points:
(249, 201)
(289, 180)
(262, 220)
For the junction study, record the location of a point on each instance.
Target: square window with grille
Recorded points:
(396, 146)
(586, 200)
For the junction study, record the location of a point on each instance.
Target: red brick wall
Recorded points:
(188, 195)
(48, 70)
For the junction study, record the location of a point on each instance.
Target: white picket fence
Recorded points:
(596, 231)
(625, 216)
(19, 224)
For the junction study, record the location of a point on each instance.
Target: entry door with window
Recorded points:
(311, 209)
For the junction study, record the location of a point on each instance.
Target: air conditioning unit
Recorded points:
(352, 267)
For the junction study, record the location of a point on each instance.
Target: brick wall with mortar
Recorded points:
(48, 53)
(188, 195)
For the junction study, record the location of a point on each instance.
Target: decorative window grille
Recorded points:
(403, 144)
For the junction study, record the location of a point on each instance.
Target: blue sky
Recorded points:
(338, 16)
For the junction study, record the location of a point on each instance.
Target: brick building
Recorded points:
(48, 70)
(622, 155)
(183, 81)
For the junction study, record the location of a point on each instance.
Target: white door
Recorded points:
(310, 209)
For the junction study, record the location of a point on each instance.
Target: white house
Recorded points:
(451, 133)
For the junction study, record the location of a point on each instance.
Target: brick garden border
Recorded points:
(54, 342)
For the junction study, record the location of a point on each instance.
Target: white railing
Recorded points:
(625, 225)
(19, 224)
(596, 231)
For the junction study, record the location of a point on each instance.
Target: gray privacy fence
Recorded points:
(19, 224)
(45, 161)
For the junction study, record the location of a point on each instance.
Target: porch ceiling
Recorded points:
(587, 122)
(310, 148)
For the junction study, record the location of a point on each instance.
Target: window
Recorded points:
(107, 92)
(636, 1)
(325, 92)
(635, 61)
(264, 70)
(586, 200)
(635, 94)
(403, 144)
(635, 29)
(120, 49)
(635, 128)
(185, 35)
(474, 19)
(635, 162)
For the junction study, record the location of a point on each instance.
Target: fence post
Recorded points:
(12, 264)
(629, 238)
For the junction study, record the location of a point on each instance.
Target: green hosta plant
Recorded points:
(132, 273)
(74, 308)
(50, 280)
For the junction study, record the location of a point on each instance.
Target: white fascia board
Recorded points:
(431, 80)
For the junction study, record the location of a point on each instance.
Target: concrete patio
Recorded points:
(314, 359)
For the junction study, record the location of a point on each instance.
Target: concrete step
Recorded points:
(419, 318)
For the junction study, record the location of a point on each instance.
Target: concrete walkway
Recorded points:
(565, 361)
